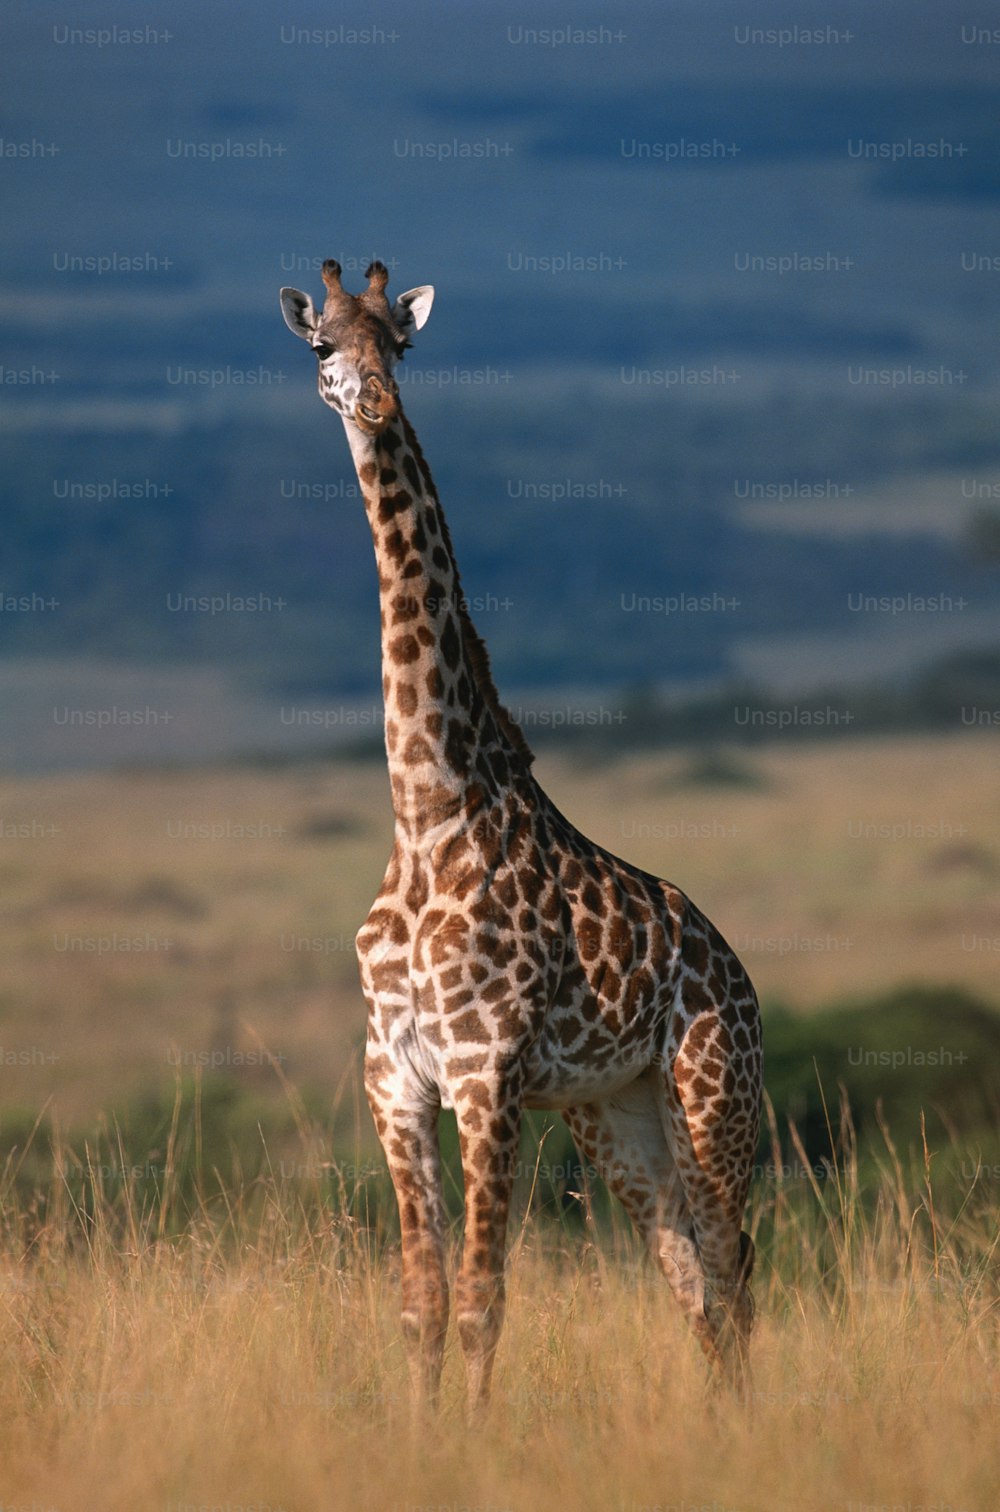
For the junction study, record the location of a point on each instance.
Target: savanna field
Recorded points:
(198, 1261)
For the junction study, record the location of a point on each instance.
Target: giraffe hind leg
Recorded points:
(710, 1102)
(625, 1140)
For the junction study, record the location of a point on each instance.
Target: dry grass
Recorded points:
(249, 1357)
(245, 1352)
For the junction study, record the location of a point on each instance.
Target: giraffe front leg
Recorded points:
(407, 1125)
(488, 1112)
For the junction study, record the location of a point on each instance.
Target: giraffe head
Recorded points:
(358, 340)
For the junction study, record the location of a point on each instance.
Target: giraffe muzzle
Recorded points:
(376, 406)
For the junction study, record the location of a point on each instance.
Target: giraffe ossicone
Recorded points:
(508, 962)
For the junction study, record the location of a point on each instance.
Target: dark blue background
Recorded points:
(662, 474)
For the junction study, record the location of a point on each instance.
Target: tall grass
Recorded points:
(227, 1346)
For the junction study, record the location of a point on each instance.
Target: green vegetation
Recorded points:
(915, 1058)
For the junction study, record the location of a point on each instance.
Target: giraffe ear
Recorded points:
(411, 309)
(299, 312)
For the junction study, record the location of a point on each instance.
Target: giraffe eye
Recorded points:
(323, 350)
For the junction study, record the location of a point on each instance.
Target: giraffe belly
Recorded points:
(582, 1056)
(565, 1087)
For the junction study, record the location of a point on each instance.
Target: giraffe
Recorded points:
(508, 962)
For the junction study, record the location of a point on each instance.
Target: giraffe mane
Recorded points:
(475, 647)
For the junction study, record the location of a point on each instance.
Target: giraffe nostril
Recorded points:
(380, 386)
(377, 400)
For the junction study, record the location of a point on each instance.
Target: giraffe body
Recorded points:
(508, 962)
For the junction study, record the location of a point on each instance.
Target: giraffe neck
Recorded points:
(451, 745)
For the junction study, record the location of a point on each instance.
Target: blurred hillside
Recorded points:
(150, 912)
(196, 928)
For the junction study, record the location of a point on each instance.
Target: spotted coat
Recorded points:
(508, 962)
